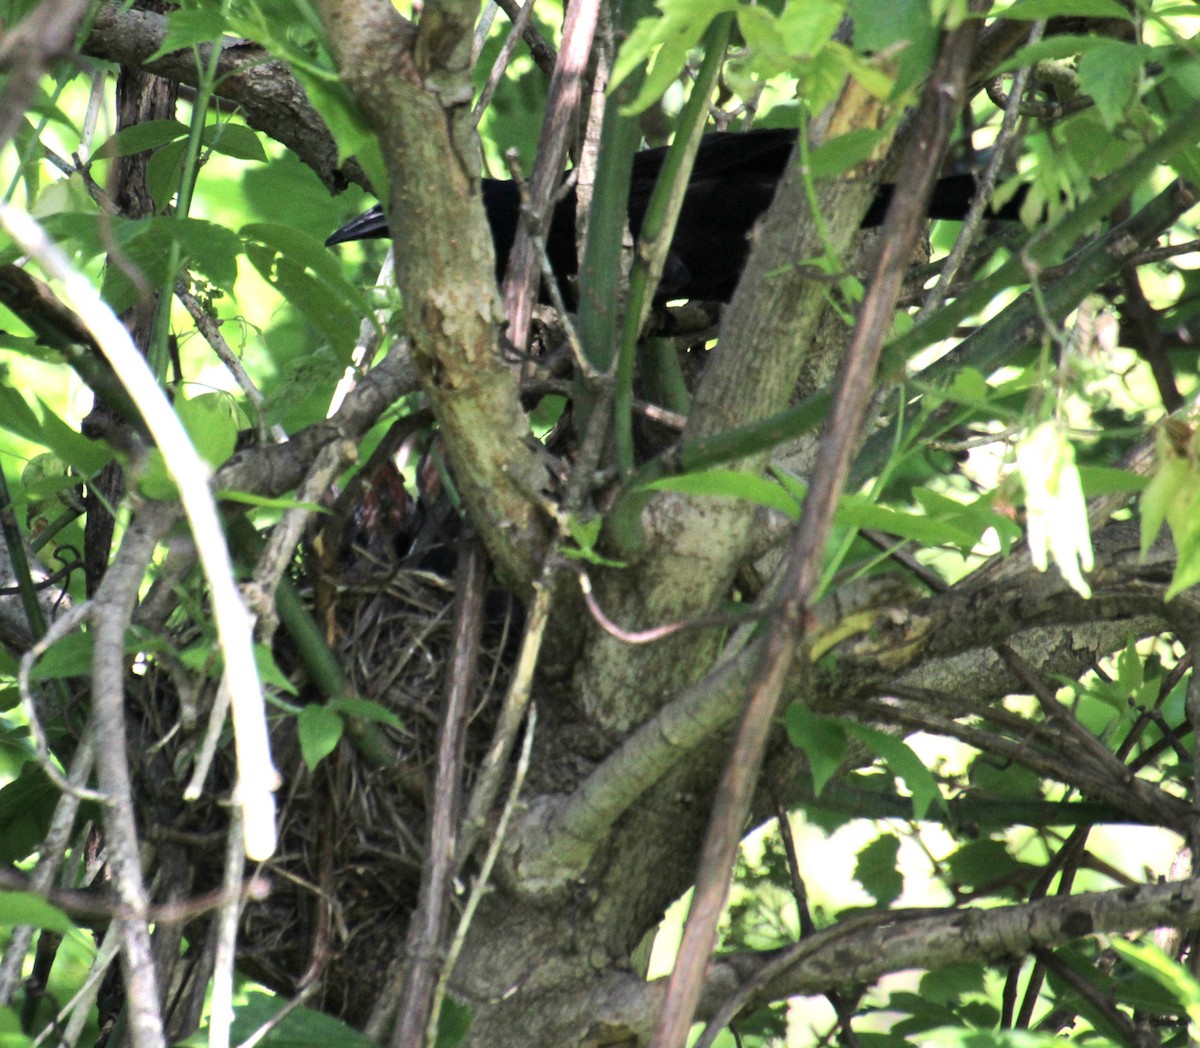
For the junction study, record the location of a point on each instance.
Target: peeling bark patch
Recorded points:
(1077, 923)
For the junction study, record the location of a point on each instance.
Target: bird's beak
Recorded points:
(368, 225)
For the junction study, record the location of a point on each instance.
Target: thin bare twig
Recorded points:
(502, 59)
(549, 277)
(71, 620)
(220, 1020)
(479, 886)
(512, 713)
(656, 633)
(113, 606)
(51, 853)
(973, 221)
(562, 105)
(540, 48)
(371, 333)
(210, 329)
(209, 744)
(418, 1010)
(79, 1007)
(285, 536)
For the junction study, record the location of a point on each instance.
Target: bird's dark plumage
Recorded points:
(732, 183)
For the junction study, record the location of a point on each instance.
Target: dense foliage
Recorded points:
(384, 653)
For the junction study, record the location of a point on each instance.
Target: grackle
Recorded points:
(733, 182)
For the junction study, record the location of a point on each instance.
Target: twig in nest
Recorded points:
(487, 784)
(485, 873)
(418, 1006)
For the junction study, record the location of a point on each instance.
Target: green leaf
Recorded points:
(876, 869)
(822, 739)
(28, 908)
(796, 39)
(69, 657)
(454, 1020)
(982, 863)
(1050, 49)
(202, 657)
(162, 172)
(731, 483)
(247, 498)
(922, 1014)
(1110, 74)
(11, 1034)
(269, 671)
(840, 154)
(860, 512)
(235, 140)
(1106, 480)
(1130, 669)
(970, 387)
(1033, 10)
(72, 655)
(905, 28)
(26, 807)
(17, 416)
(300, 1028)
(1173, 496)
(1010, 781)
(1150, 960)
(666, 41)
(86, 456)
(965, 1037)
(320, 731)
(951, 984)
(206, 247)
(354, 137)
(586, 533)
(209, 422)
(44, 105)
(904, 763)
(310, 278)
(139, 137)
(367, 709)
(188, 26)
(806, 28)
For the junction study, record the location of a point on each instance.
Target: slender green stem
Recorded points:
(20, 562)
(188, 175)
(658, 228)
(64, 520)
(23, 578)
(600, 272)
(669, 386)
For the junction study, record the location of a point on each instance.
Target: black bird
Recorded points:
(733, 182)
